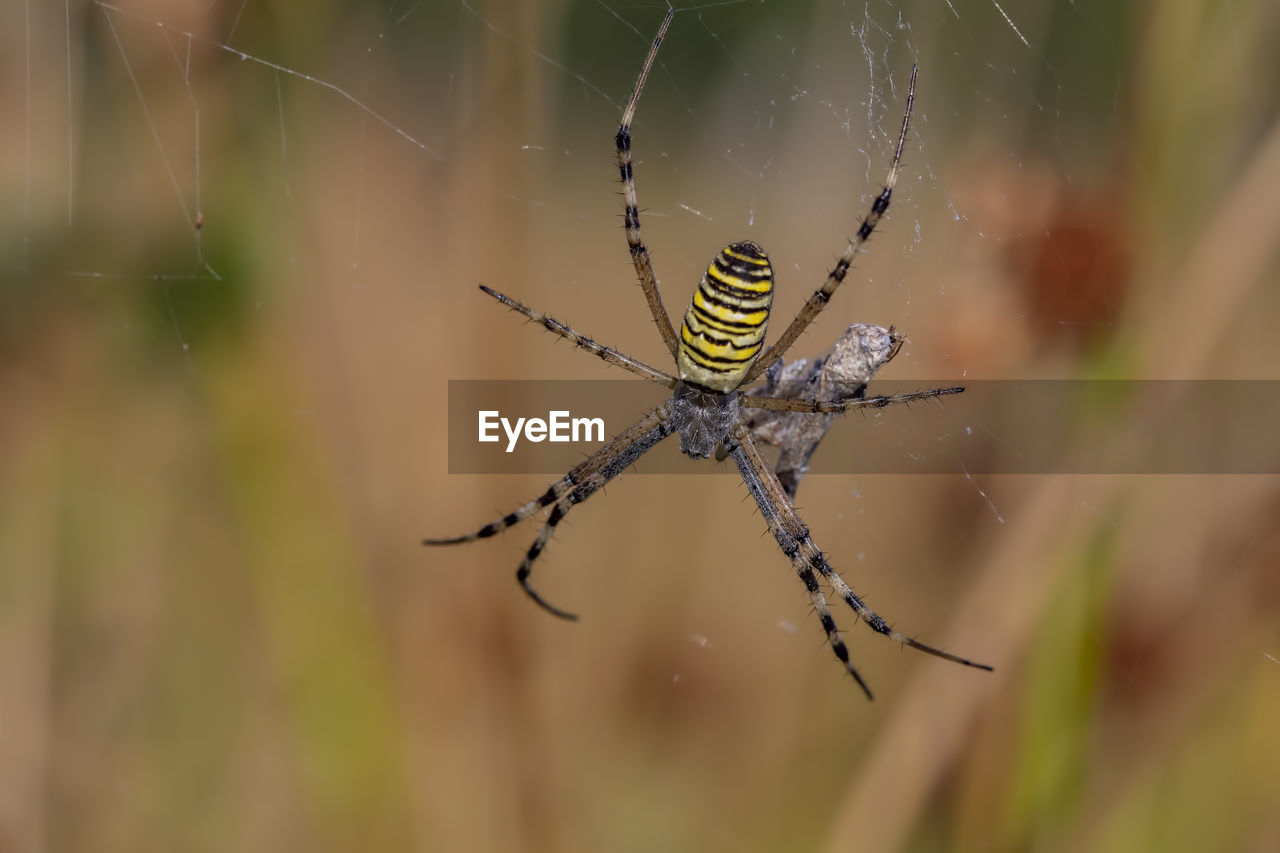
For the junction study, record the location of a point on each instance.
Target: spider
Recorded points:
(717, 352)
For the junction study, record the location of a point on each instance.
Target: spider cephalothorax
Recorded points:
(704, 418)
(719, 350)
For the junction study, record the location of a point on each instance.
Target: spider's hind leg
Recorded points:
(631, 205)
(818, 301)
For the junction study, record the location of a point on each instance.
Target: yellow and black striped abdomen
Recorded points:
(723, 330)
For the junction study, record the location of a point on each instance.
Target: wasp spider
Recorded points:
(717, 352)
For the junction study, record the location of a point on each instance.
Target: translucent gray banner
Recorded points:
(994, 427)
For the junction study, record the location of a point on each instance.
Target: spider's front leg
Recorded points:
(757, 476)
(793, 538)
(582, 481)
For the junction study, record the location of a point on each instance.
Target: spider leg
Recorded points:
(643, 437)
(582, 481)
(607, 354)
(880, 401)
(822, 295)
(793, 538)
(758, 478)
(550, 496)
(562, 504)
(631, 204)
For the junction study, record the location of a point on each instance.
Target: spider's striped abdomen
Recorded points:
(723, 329)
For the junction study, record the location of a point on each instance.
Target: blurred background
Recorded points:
(239, 267)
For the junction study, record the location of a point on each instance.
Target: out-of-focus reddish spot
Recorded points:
(1073, 271)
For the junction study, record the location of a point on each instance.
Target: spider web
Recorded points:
(239, 232)
(773, 122)
(748, 103)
